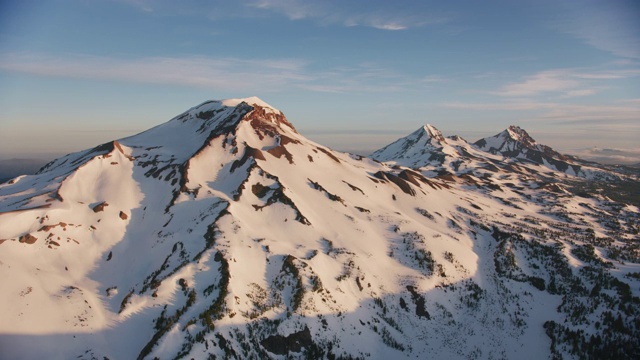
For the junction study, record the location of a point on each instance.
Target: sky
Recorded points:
(354, 75)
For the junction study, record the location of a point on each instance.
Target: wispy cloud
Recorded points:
(611, 26)
(519, 59)
(543, 82)
(579, 93)
(629, 101)
(141, 4)
(501, 106)
(229, 74)
(557, 112)
(608, 74)
(565, 83)
(382, 15)
(363, 78)
(293, 9)
(432, 79)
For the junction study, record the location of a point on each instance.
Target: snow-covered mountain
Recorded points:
(515, 142)
(511, 150)
(225, 232)
(420, 148)
(427, 149)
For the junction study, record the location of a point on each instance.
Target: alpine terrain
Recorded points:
(224, 233)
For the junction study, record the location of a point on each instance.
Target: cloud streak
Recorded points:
(369, 14)
(192, 71)
(543, 82)
(626, 115)
(228, 74)
(566, 83)
(610, 26)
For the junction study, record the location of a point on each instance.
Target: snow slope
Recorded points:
(224, 231)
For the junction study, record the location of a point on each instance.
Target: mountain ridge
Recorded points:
(223, 231)
(513, 143)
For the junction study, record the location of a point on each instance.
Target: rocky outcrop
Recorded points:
(100, 207)
(28, 239)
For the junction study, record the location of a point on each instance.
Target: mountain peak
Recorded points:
(433, 132)
(215, 106)
(513, 137)
(519, 134)
(410, 150)
(218, 115)
(252, 100)
(515, 142)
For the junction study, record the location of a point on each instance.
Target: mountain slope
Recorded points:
(225, 232)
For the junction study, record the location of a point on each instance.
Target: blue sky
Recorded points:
(353, 75)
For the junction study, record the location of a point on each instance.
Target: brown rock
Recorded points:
(46, 228)
(123, 216)
(28, 239)
(100, 207)
(278, 151)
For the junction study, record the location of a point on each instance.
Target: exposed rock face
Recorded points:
(100, 207)
(267, 120)
(28, 239)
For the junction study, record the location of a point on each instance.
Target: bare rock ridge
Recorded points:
(224, 233)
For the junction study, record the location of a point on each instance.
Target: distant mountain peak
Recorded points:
(424, 146)
(511, 140)
(428, 147)
(433, 132)
(515, 142)
(414, 145)
(519, 134)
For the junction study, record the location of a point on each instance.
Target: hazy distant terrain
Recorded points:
(11, 168)
(629, 157)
